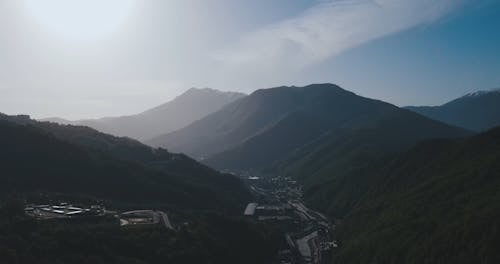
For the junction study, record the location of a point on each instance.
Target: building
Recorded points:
(250, 209)
(63, 210)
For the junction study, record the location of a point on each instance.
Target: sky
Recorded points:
(93, 58)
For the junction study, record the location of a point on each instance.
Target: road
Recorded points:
(310, 235)
(165, 220)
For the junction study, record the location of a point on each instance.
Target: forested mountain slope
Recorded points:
(437, 203)
(48, 157)
(265, 127)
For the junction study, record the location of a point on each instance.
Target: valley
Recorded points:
(279, 203)
(249, 132)
(299, 175)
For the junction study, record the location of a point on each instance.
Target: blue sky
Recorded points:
(428, 64)
(133, 55)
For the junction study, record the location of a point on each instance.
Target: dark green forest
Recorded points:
(205, 238)
(48, 163)
(66, 159)
(438, 202)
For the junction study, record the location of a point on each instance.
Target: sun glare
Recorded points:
(80, 18)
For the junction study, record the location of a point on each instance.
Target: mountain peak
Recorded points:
(477, 111)
(197, 90)
(311, 88)
(324, 85)
(209, 91)
(184, 109)
(481, 93)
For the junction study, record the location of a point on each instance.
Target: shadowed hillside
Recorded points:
(265, 127)
(437, 203)
(68, 159)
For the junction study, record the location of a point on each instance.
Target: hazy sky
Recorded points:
(93, 58)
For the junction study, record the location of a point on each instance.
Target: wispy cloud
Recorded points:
(326, 30)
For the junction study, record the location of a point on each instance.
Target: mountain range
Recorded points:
(478, 111)
(403, 185)
(181, 111)
(266, 127)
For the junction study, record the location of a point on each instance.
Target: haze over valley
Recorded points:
(329, 131)
(170, 116)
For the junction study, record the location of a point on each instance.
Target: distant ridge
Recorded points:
(184, 109)
(270, 124)
(477, 111)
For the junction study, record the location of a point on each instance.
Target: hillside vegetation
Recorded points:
(52, 158)
(437, 203)
(211, 239)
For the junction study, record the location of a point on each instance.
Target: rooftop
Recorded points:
(250, 210)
